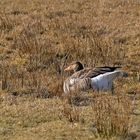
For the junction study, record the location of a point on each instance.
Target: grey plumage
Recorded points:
(84, 79)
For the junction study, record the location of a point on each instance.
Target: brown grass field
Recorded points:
(38, 39)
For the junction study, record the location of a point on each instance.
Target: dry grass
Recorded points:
(38, 38)
(112, 115)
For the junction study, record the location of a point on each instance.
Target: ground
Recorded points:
(38, 38)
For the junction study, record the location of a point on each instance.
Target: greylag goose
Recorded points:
(99, 78)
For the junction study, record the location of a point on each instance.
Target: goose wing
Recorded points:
(97, 71)
(92, 72)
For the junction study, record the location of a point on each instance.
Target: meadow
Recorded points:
(38, 39)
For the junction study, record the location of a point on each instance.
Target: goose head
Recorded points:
(76, 66)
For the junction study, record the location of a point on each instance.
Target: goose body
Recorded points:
(76, 84)
(99, 78)
(104, 82)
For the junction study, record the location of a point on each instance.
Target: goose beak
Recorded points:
(67, 69)
(70, 68)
